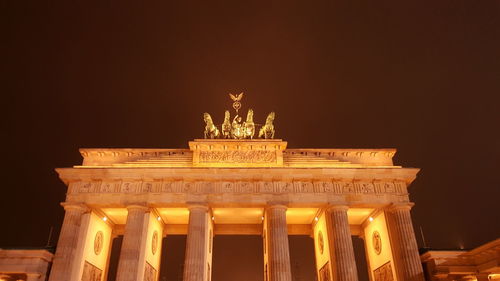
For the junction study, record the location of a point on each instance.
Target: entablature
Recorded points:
(261, 185)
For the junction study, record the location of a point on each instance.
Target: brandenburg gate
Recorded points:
(230, 183)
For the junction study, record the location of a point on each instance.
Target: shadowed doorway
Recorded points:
(238, 257)
(173, 251)
(360, 256)
(302, 259)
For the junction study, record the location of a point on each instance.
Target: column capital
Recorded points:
(137, 207)
(75, 206)
(202, 207)
(276, 206)
(331, 208)
(401, 206)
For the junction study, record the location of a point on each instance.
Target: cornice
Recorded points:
(246, 174)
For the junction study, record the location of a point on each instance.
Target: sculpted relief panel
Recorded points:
(324, 273)
(149, 273)
(238, 156)
(383, 273)
(91, 272)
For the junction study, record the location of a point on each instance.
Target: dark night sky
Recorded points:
(419, 76)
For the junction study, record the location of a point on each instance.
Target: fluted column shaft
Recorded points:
(339, 234)
(406, 256)
(63, 264)
(278, 248)
(196, 249)
(130, 263)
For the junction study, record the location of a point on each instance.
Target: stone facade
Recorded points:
(329, 194)
(481, 263)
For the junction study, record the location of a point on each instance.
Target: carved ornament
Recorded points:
(98, 240)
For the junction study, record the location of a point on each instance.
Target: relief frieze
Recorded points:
(345, 187)
(364, 187)
(206, 187)
(303, 187)
(86, 187)
(151, 186)
(266, 187)
(390, 187)
(130, 187)
(108, 187)
(323, 186)
(246, 187)
(284, 187)
(167, 187)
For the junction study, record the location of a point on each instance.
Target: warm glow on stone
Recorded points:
(238, 215)
(174, 215)
(116, 215)
(358, 215)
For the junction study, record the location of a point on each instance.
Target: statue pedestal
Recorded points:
(237, 153)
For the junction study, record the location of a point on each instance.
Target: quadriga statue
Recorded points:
(236, 129)
(211, 131)
(249, 125)
(267, 131)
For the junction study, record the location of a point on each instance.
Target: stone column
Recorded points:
(196, 244)
(405, 250)
(129, 265)
(278, 248)
(64, 260)
(341, 249)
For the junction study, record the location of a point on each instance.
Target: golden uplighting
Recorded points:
(174, 215)
(357, 216)
(116, 215)
(300, 215)
(238, 215)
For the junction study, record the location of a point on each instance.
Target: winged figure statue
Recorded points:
(236, 98)
(236, 101)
